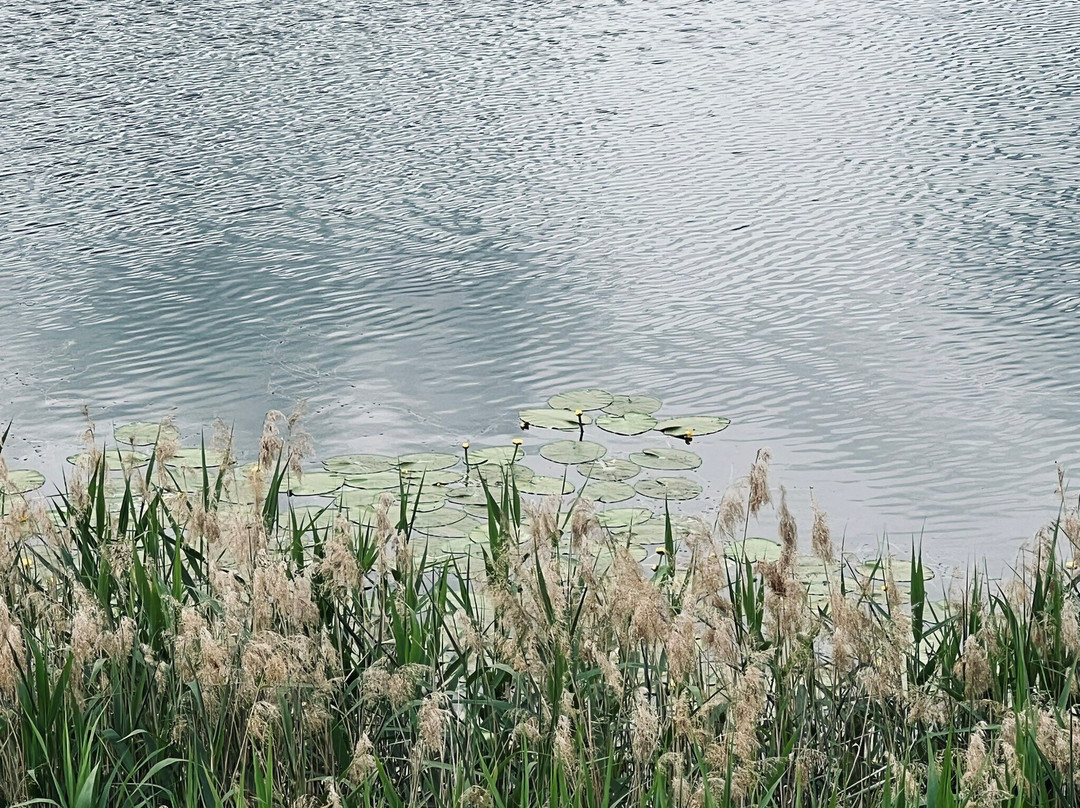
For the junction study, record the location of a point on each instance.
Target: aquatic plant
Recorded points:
(191, 634)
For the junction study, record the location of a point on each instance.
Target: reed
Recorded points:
(165, 645)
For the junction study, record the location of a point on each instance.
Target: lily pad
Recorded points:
(753, 548)
(499, 455)
(612, 469)
(193, 458)
(545, 486)
(439, 518)
(633, 423)
(145, 433)
(621, 405)
(550, 418)
(467, 495)
(572, 452)
(663, 459)
(671, 488)
(623, 517)
(380, 479)
(699, 424)
(355, 464)
(426, 501)
(314, 483)
(22, 481)
(456, 532)
(607, 491)
(307, 515)
(495, 475)
(426, 461)
(591, 399)
(431, 479)
(125, 457)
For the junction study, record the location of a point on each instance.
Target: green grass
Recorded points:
(170, 649)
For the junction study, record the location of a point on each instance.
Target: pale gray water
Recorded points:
(852, 227)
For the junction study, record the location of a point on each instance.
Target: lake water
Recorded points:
(852, 227)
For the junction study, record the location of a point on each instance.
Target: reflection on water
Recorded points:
(850, 227)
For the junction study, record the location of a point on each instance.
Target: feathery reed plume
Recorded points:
(759, 483)
(820, 535)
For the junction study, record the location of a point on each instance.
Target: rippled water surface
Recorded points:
(852, 227)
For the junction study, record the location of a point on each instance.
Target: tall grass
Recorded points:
(171, 648)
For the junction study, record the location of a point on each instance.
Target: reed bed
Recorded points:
(163, 647)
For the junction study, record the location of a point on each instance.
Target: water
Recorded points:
(851, 227)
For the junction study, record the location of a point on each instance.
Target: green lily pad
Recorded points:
(633, 423)
(126, 458)
(314, 484)
(377, 480)
(426, 461)
(611, 469)
(671, 488)
(358, 497)
(440, 518)
(467, 495)
(591, 399)
(621, 405)
(699, 424)
(545, 486)
(496, 475)
(306, 515)
(623, 517)
(663, 459)
(22, 481)
(499, 455)
(549, 418)
(753, 548)
(426, 501)
(572, 452)
(431, 479)
(193, 458)
(457, 532)
(145, 433)
(607, 491)
(357, 464)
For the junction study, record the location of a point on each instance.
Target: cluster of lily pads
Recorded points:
(636, 496)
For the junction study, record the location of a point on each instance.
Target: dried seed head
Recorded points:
(646, 724)
(759, 482)
(432, 722)
(363, 763)
(731, 514)
(821, 536)
(973, 668)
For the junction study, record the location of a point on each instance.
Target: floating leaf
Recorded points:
(426, 461)
(431, 479)
(664, 459)
(467, 495)
(612, 469)
(699, 424)
(358, 464)
(572, 452)
(21, 481)
(496, 475)
(314, 483)
(633, 423)
(193, 458)
(623, 517)
(426, 501)
(380, 479)
(499, 455)
(439, 518)
(127, 458)
(621, 405)
(545, 486)
(319, 516)
(753, 549)
(591, 399)
(669, 488)
(607, 491)
(358, 497)
(145, 433)
(453, 532)
(549, 418)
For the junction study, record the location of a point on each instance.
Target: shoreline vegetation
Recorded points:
(434, 630)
